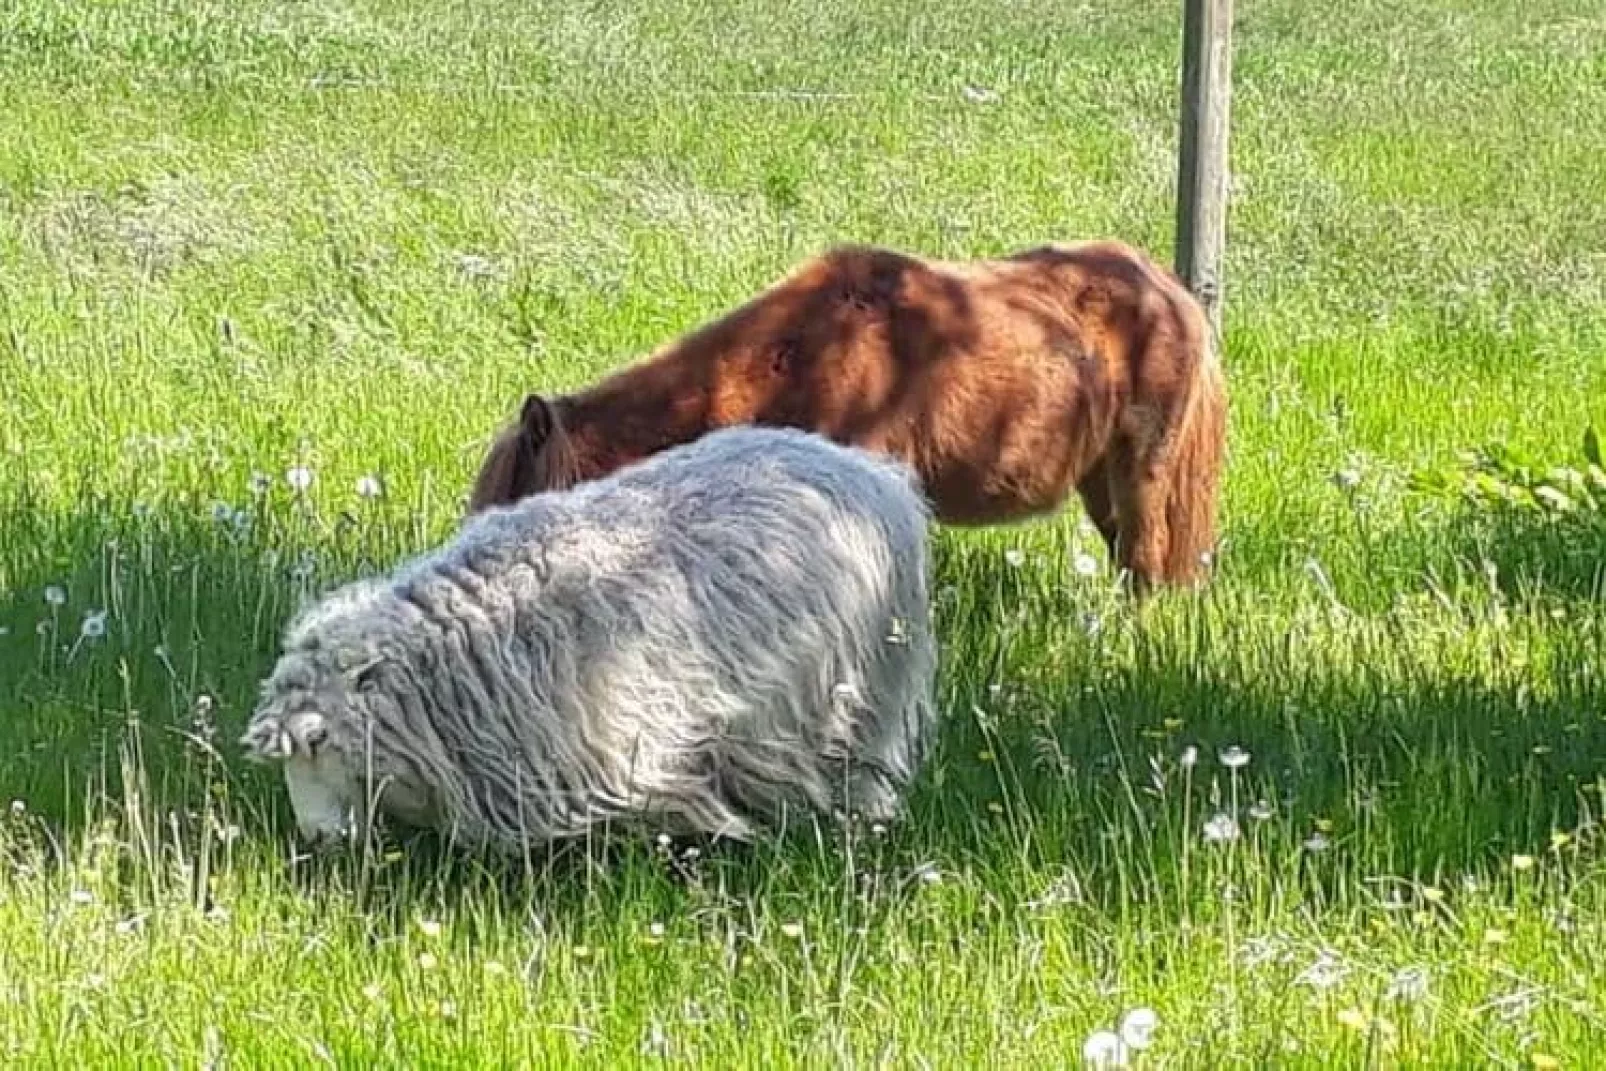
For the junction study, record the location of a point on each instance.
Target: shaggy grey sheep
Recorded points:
(696, 643)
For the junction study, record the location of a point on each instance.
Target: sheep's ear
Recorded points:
(537, 418)
(306, 732)
(362, 674)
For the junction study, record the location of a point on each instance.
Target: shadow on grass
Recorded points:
(1428, 741)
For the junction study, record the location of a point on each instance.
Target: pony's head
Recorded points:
(534, 454)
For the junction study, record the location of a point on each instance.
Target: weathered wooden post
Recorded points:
(1202, 149)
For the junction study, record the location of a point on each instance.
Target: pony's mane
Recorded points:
(523, 457)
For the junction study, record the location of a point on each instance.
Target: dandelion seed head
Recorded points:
(1014, 557)
(18, 808)
(94, 626)
(1234, 758)
(1408, 985)
(299, 478)
(56, 595)
(1222, 828)
(1104, 1049)
(656, 929)
(1189, 758)
(427, 961)
(222, 512)
(1316, 842)
(1260, 810)
(368, 487)
(259, 484)
(1324, 973)
(1138, 1027)
(372, 991)
(429, 927)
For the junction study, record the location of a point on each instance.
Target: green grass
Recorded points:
(237, 238)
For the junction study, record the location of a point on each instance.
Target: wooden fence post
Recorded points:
(1202, 150)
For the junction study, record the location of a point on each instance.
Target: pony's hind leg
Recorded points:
(1099, 504)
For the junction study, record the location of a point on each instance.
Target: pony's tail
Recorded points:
(1191, 498)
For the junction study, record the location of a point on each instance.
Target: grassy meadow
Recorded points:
(1341, 810)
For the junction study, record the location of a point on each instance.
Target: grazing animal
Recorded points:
(1003, 383)
(697, 644)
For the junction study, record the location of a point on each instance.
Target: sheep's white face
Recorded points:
(323, 794)
(326, 798)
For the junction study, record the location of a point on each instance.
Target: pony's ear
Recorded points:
(538, 420)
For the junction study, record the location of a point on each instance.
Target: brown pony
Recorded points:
(1003, 383)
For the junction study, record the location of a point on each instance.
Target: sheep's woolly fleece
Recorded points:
(699, 642)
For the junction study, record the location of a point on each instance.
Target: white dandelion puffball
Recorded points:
(1221, 828)
(369, 487)
(1189, 758)
(299, 478)
(1137, 1028)
(56, 595)
(1084, 563)
(1104, 1048)
(1016, 558)
(1234, 758)
(94, 626)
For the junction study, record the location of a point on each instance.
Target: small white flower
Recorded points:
(877, 829)
(656, 929)
(1104, 1048)
(18, 808)
(448, 1009)
(794, 930)
(429, 927)
(1234, 758)
(94, 626)
(1260, 811)
(1221, 828)
(81, 897)
(1014, 557)
(1084, 563)
(664, 840)
(368, 487)
(475, 266)
(5, 630)
(372, 991)
(1137, 1028)
(1317, 842)
(56, 595)
(1347, 478)
(1190, 757)
(427, 961)
(299, 478)
(979, 94)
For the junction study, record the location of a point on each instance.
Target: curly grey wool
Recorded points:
(701, 641)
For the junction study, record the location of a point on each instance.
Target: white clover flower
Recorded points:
(1104, 1048)
(56, 595)
(94, 626)
(299, 478)
(1138, 1027)
(1084, 563)
(1234, 758)
(369, 487)
(1221, 829)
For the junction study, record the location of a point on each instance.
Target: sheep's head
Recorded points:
(309, 719)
